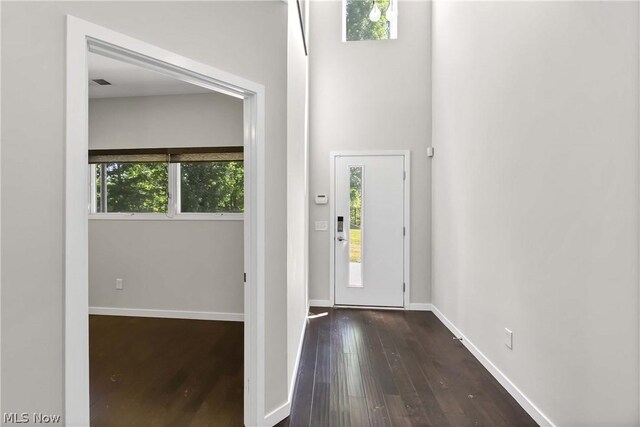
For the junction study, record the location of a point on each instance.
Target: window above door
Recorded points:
(369, 20)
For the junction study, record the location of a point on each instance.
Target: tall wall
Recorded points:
(535, 203)
(371, 95)
(297, 186)
(245, 38)
(193, 265)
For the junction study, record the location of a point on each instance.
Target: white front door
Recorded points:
(369, 230)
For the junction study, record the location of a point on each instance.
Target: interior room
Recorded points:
(165, 249)
(320, 213)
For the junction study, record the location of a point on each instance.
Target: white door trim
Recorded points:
(406, 154)
(83, 37)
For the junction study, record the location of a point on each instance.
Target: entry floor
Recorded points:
(394, 368)
(165, 372)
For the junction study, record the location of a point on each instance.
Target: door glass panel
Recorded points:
(355, 225)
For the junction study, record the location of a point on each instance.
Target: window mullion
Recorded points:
(92, 189)
(174, 189)
(103, 188)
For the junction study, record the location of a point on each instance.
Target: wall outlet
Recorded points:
(508, 338)
(321, 225)
(119, 284)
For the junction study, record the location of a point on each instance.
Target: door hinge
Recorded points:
(404, 287)
(404, 175)
(245, 277)
(404, 231)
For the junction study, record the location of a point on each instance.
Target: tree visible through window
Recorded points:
(359, 24)
(145, 187)
(212, 187)
(133, 187)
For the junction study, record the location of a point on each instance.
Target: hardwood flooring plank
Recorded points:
(165, 372)
(322, 378)
(406, 390)
(376, 407)
(339, 397)
(386, 368)
(406, 345)
(397, 413)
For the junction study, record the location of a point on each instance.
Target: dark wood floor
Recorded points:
(359, 368)
(165, 372)
(391, 368)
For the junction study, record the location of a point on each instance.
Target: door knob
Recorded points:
(341, 239)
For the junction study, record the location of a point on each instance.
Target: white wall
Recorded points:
(297, 189)
(179, 265)
(371, 95)
(167, 265)
(536, 197)
(197, 120)
(245, 38)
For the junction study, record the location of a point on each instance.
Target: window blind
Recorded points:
(167, 155)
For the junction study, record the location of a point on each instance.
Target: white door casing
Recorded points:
(369, 255)
(83, 37)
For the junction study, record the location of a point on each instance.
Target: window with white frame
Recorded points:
(167, 182)
(369, 20)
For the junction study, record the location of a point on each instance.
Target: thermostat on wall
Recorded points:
(321, 199)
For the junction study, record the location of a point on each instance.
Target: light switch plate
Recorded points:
(321, 226)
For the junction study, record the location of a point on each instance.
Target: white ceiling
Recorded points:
(131, 80)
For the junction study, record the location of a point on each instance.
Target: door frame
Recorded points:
(84, 37)
(406, 155)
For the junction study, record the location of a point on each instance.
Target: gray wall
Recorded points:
(536, 197)
(200, 120)
(168, 264)
(245, 38)
(297, 187)
(371, 95)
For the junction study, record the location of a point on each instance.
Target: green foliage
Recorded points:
(355, 245)
(143, 187)
(355, 196)
(359, 27)
(137, 187)
(212, 187)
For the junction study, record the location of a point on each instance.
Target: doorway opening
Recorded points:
(84, 38)
(165, 249)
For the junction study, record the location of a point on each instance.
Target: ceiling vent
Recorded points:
(102, 82)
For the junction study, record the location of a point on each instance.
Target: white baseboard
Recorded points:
(167, 314)
(412, 306)
(418, 306)
(320, 303)
(294, 377)
(277, 415)
(511, 388)
(282, 412)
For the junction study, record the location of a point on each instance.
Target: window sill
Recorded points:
(164, 217)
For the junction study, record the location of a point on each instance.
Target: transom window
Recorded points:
(370, 20)
(169, 182)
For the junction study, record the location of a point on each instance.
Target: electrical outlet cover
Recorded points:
(508, 338)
